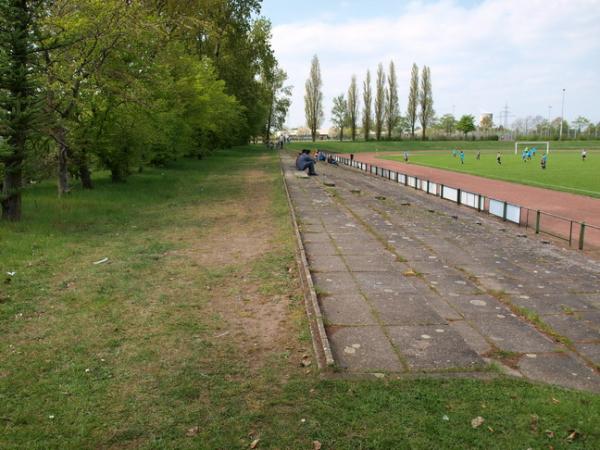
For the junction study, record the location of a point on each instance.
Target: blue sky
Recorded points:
(482, 54)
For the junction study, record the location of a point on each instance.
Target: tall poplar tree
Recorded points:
(392, 109)
(367, 104)
(425, 100)
(353, 106)
(413, 99)
(313, 98)
(379, 101)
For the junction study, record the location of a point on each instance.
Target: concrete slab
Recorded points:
(431, 348)
(472, 337)
(348, 309)
(320, 248)
(363, 349)
(334, 283)
(511, 334)
(573, 326)
(475, 305)
(385, 283)
(326, 263)
(380, 262)
(591, 351)
(549, 304)
(404, 309)
(561, 369)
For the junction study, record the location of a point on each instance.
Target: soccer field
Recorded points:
(565, 171)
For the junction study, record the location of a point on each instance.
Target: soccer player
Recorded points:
(499, 158)
(583, 154)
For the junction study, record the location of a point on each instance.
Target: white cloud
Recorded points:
(521, 52)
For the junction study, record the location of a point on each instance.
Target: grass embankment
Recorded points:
(192, 334)
(565, 170)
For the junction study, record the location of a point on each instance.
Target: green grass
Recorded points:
(401, 146)
(134, 353)
(565, 170)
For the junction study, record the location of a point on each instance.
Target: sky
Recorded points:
(483, 55)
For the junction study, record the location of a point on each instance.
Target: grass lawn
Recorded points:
(192, 334)
(565, 170)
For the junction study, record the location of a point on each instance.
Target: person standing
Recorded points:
(478, 157)
(462, 157)
(583, 154)
(543, 162)
(499, 158)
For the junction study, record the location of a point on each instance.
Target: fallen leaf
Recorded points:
(549, 433)
(555, 401)
(316, 445)
(192, 431)
(410, 273)
(477, 421)
(533, 424)
(254, 443)
(574, 434)
(102, 261)
(491, 430)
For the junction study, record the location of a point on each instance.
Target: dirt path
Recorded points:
(563, 204)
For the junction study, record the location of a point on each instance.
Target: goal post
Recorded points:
(532, 144)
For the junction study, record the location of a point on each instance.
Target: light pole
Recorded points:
(562, 116)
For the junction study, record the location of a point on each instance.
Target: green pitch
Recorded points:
(565, 171)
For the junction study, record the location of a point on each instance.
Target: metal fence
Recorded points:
(569, 230)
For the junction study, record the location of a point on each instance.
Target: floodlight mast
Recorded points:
(562, 116)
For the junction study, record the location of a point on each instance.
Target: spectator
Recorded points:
(305, 162)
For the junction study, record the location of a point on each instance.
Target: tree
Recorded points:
(279, 102)
(581, 124)
(18, 97)
(413, 98)
(466, 124)
(367, 102)
(392, 110)
(353, 106)
(339, 114)
(448, 123)
(379, 101)
(313, 99)
(426, 112)
(486, 123)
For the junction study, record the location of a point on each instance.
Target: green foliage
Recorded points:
(340, 114)
(466, 124)
(124, 84)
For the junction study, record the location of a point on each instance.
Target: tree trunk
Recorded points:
(117, 175)
(423, 134)
(63, 172)
(85, 175)
(63, 161)
(341, 134)
(11, 191)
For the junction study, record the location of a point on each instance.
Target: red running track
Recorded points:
(571, 206)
